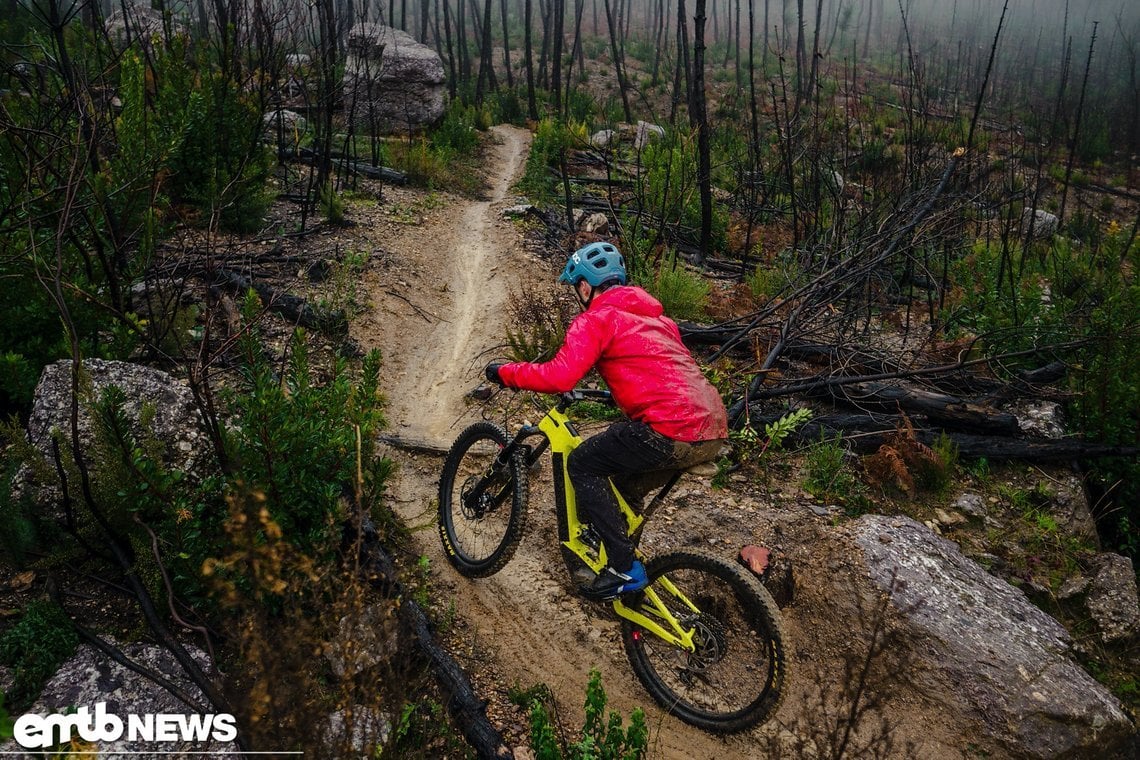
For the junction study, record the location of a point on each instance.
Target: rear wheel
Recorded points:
(482, 501)
(735, 677)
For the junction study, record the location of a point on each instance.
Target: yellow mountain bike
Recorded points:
(704, 637)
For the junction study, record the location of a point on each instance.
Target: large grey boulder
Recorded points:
(132, 23)
(158, 406)
(983, 650)
(90, 678)
(391, 80)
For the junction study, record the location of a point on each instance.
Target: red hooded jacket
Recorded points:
(639, 353)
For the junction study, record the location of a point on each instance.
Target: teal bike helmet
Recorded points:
(596, 263)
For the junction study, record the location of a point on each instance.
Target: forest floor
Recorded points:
(437, 304)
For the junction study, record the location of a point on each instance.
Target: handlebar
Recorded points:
(484, 392)
(584, 394)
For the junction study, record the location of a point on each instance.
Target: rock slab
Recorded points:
(172, 419)
(984, 650)
(90, 677)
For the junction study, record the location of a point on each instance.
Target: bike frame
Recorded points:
(561, 437)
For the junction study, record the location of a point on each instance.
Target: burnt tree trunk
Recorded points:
(613, 29)
(528, 52)
(506, 44)
(704, 166)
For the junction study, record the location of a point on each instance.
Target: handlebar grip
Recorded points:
(586, 394)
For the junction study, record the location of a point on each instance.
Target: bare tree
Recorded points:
(486, 69)
(506, 44)
(616, 52)
(704, 169)
(531, 105)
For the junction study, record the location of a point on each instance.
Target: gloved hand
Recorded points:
(492, 373)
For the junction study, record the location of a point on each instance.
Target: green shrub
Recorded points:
(602, 737)
(296, 440)
(683, 292)
(550, 139)
(447, 161)
(456, 135)
(332, 204)
(35, 647)
(218, 163)
(826, 475)
(506, 107)
(767, 282)
(1106, 408)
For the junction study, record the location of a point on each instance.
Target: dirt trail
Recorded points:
(473, 246)
(526, 624)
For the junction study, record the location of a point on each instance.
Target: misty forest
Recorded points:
(901, 238)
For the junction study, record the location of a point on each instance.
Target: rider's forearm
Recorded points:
(577, 356)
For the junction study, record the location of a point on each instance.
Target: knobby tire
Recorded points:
(478, 545)
(735, 679)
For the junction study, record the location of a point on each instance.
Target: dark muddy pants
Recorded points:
(624, 449)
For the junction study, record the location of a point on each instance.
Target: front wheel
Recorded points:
(734, 678)
(482, 501)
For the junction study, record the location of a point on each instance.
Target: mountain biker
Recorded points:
(676, 418)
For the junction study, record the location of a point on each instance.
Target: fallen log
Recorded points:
(389, 175)
(865, 433)
(949, 412)
(292, 308)
(464, 705)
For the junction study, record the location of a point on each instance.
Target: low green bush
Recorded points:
(602, 737)
(683, 292)
(35, 647)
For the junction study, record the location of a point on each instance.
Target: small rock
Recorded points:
(363, 642)
(949, 519)
(517, 211)
(603, 139)
(970, 503)
(1038, 418)
(1043, 223)
(598, 224)
(359, 729)
(646, 132)
(291, 123)
(1073, 588)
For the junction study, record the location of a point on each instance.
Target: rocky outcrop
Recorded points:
(90, 678)
(1111, 599)
(158, 406)
(983, 650)
(391, 81)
